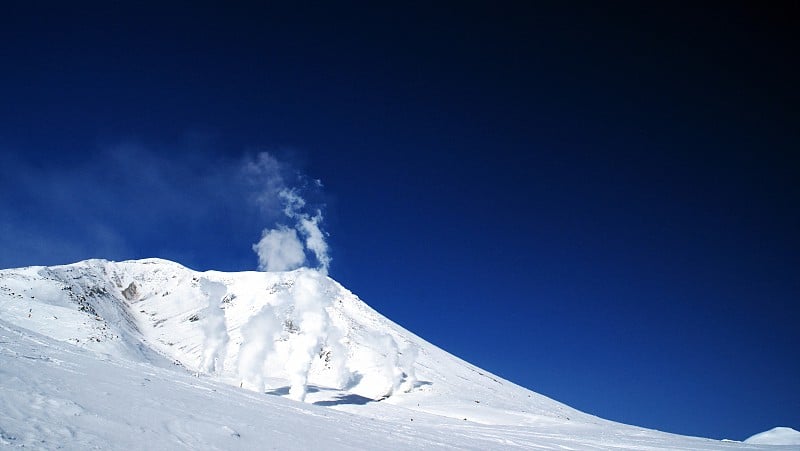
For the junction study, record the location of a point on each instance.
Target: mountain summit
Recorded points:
(150, 354)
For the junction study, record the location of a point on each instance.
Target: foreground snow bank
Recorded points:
(54, 395)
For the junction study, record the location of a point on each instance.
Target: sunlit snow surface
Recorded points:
(151, 355)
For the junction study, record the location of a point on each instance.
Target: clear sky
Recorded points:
(598, 201)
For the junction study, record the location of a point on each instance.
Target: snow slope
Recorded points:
(776, 436)
(150, 354)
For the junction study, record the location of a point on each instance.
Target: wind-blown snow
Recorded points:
(151, 355)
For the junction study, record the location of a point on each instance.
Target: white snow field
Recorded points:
(150, 355)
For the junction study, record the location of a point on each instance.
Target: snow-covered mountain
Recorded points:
(149, 354)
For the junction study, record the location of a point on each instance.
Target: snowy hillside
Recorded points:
(776, 436)
(151, 355)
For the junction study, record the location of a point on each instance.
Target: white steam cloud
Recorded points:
(295, 332)
(258, 341)
(393, 364)
(279, 250)
(309, 309)
(315, 240)
(281, 247)
(215, 331)
(310, 332)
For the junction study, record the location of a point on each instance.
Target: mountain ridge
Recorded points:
(297, 334)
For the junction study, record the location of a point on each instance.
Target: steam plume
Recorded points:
(279, 250)
(280, 247)
(258, 341)
(296, 237)
(214, 329)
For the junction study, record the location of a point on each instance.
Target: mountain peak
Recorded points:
(297, 334)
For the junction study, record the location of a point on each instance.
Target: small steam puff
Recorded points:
(396, 365)
(280, 248)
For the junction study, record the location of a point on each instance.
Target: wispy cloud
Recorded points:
(279, 187)
(134, 201)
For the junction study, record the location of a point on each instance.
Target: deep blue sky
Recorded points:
(596, 201)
